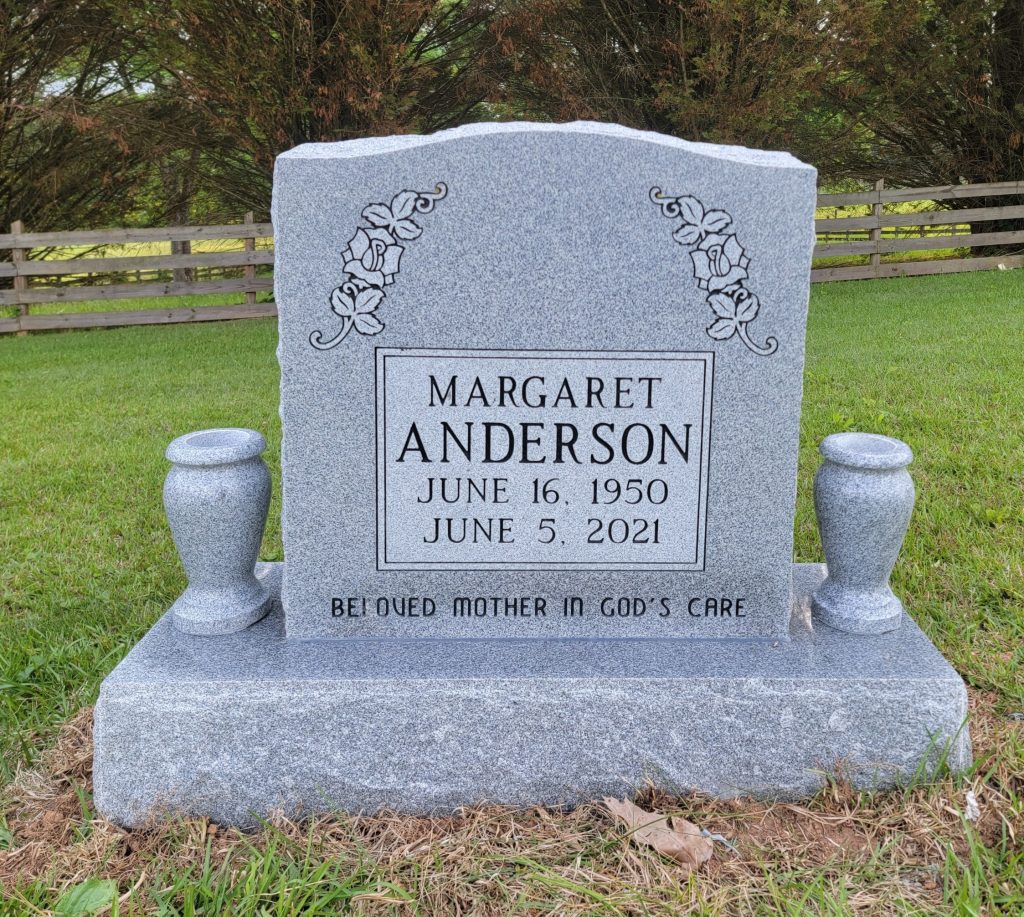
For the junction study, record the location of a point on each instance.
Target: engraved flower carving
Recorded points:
(733, 307)
(719, 261)
(356, 306)
(372, 259)
(373, 255)
(395, 219)
(719, 267)
(698, 222)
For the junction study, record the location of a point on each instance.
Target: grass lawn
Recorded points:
(151, 302)
(87, 565)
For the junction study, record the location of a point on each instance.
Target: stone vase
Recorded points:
(216, 497)
(863, 496)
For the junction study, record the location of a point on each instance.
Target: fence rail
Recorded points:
(191, 273)
(887, 232)
(39, 271)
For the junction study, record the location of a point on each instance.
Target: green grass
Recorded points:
(86, 556)
(936, 362)
(87, 563)
(152, 302)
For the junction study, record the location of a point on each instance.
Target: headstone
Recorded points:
(519, 405)
(540, 397)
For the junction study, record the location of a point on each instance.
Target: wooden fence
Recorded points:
(205, 272)
(892, 225)
(896, 229)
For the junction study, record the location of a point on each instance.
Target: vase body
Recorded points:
(863, 497)
(216, 495)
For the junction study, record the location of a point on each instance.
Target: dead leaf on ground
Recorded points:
(672, 836)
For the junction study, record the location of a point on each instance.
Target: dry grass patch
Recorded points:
(841, 852)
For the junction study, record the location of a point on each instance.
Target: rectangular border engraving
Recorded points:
(383, 353)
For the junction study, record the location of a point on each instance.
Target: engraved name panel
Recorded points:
(542, 459)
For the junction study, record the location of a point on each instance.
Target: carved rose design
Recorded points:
(373, 255)
(719, 266)
(372, 260)
(719, 261)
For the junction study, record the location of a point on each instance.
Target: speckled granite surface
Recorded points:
(236, 726)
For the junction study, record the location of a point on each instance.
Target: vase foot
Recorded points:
(854, 612)
(211, 614)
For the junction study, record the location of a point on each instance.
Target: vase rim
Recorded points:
(217, 446)
(866, 450)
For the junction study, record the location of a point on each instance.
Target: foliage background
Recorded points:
(171, 111)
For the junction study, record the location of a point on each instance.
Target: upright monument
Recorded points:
(540, 396)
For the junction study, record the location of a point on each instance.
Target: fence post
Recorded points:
(875, 234)
(19, 256)
(250, 269)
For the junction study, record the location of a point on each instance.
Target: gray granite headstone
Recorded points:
(540, 380)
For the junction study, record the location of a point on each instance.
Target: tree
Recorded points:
(66, 157)
(256, 77)
(934, 87)
(727, 71)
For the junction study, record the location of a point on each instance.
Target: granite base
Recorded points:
(238, 726)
